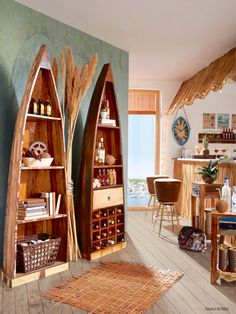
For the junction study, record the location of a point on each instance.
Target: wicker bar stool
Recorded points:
(167, 192)
(152, 203)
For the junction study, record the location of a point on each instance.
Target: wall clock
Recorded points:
(181, 130)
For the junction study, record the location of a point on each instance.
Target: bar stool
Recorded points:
(151, 190)
(167, 192)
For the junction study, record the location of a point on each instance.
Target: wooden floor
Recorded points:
(193, 293)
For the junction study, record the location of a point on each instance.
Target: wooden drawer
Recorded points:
(106, 198)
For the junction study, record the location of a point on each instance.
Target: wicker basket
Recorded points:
(38, 255)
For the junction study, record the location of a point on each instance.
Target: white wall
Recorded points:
(215, 102)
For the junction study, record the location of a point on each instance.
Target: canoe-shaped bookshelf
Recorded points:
(100, 212)
(46, 182)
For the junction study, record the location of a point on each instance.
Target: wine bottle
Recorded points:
(41, 108)
(102, 152)
(97, 154)
(114, 177)
(117, 230)
(96, 216)
(111, 212)
(104, 234)
(48, 110)
(104, 224)
(119, 211)
(97, 237)
(35, 107)
(111, 222)
(95, 226)
(112, 242)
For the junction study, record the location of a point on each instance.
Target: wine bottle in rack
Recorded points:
(111, 242)
(118, 220)
(119, 211)
(111, 222)
(96, 216)
(97, 237)
(109, 232)
(104, 224)
(95, 226)
(111, 212)
(104, 234)
(118, 231)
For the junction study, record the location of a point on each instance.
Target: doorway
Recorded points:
(143, 144)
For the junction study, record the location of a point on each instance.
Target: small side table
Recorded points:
(215, 273)
(203, 191)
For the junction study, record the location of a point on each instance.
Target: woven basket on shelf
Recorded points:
(38, 255)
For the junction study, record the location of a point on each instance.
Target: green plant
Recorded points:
(210, 170)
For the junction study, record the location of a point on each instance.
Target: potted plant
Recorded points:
(209, 172)
(103, 113)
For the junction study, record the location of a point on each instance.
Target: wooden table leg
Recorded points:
(201, 210)
(194, 211)
(214, 275)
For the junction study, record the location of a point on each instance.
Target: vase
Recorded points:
(208, 180)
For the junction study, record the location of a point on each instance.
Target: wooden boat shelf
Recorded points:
(28, 182)
(97, 237)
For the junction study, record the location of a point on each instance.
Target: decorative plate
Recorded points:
(181, 130)
(39, 147)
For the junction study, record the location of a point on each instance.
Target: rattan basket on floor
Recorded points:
(37, 255)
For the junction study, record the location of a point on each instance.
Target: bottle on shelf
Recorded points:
(97, 237)
(109, 232)
(111, 242)
(233, 207)
(104, 234)
(226, 192)
(111, 212)
(117, 230)
(111, 222)
(35, 107)
(104, 224)
(114, 177)
(119, 211)
(48, 108)
(95, 226)
(104, 177)
(97, 154)
(102, 152)
(41, 108)
(97, 247)
(96, 216)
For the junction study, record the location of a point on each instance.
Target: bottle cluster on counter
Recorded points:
(107, 227)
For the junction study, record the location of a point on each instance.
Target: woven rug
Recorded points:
(115, 288)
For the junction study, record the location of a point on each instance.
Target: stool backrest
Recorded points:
(150, 182)
(167, 190)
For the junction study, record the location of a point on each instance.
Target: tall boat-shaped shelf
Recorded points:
(27, 182)
(100, 212)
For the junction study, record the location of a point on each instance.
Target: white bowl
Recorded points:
(31, 162)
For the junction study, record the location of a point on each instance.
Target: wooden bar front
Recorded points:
(186, 171)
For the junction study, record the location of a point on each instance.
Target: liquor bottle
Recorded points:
(114, 177)
(97, 154)
(111, 242)
(104, 179)
(226, 192)
(41, 108)
(48, 111)
(99, 176)
(102, 152)
(108, 177)
(35, 107)
(233, 208)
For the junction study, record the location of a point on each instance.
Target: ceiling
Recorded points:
(166, 39)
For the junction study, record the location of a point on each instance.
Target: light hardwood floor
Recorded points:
(193, 293)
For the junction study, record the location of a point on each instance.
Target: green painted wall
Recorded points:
(22, 32)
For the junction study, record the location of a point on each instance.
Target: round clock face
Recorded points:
(181, 130)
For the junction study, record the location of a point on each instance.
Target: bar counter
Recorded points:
(186, 171)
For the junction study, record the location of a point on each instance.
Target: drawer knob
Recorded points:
(108, 198)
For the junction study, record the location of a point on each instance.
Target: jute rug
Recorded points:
(115, 288)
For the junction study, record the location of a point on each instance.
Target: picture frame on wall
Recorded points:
(209, 120)
(233, 121)
(222, 120)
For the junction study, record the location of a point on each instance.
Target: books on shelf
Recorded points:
(50, 198)
(32, 208)
(109, 122)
